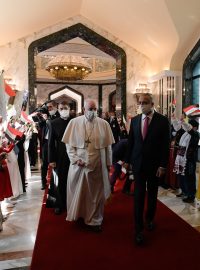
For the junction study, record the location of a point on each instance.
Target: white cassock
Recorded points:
(88, 187)
(15, 177)
(26, 156)
(27, 169)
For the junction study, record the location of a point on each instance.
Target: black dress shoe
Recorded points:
(139, 238)
(94, 228)
(44, 187)
(180, 195)
(150, 226)
(188, 200)
(128, 192)
(57, 211)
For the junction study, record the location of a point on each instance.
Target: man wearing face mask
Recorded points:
(89, 139)
(148, 151)
(57, 156)
(46, 117)
(52, 109)
(112, 120)
(186, 158)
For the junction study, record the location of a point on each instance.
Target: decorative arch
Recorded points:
(83, 32)
(68, 91)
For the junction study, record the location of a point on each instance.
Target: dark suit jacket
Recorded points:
(56, 148)
(119, 150)
(115, 128)
(152, 152)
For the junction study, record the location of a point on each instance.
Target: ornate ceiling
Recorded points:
(163, 30)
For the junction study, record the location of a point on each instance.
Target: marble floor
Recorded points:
(19, 229)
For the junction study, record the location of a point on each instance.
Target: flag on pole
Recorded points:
(190, 109)
(25, 118)
(11, 133)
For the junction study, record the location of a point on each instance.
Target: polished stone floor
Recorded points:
(19, 229)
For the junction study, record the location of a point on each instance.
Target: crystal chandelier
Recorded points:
(142, 89)
(69, 68)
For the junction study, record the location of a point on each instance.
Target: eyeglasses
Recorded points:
(143, 102)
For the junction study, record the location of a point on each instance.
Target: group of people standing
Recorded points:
(185, 144)
(14, 162)
(78, 153)
(89, 140)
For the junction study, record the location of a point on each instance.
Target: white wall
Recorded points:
(14, 58)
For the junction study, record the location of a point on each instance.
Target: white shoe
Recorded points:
(8, 203)
(13, 199)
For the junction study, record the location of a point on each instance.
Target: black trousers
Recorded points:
(144, 183)
(45, 163)
(21, 164)
(32, 150)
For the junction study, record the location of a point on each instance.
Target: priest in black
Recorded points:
(45, 115)
(112, 120)
(58, 157)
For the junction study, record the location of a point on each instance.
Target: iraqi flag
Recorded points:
(25, 118)
(174, 102)
(6, 88)
(195, 113)
(11, 133)
(190, 109)
(9, 91)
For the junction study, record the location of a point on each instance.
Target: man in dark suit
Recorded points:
(58, 158)
(112, 120)
(148, 151)
(47, 114)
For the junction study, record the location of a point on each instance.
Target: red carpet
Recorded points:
(61, 245)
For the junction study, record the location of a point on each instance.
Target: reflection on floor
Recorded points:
(190, 212)
(19, 230)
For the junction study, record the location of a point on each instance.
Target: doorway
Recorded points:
(88, 35)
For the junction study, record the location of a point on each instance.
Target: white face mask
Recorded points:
(64, 113)
(145, 109)
(52, 112)
(90, 115)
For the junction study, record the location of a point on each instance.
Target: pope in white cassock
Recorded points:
(88, 139)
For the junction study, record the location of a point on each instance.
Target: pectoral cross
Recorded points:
(87, 142)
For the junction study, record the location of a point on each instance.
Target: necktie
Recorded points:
(145, 127)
